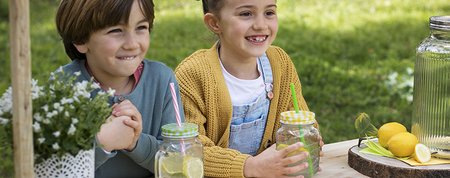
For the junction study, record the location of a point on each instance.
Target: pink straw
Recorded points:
(177, 112)
(175, 103)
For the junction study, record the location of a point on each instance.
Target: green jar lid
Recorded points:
(300, 118)
(174, 131)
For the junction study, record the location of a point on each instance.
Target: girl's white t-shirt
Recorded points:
(242, 91)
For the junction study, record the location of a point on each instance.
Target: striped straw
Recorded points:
(175, 103)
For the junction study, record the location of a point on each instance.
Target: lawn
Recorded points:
(352, 56)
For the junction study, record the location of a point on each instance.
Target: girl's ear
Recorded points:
(212, 22)
(82, 48)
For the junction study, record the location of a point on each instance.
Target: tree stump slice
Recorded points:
(378, 166)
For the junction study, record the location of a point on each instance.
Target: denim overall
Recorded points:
(249, 121)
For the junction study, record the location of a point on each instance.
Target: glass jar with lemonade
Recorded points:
(181, 154)
(299, 127)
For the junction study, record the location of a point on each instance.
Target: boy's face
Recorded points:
(248, 27)
(117, 51)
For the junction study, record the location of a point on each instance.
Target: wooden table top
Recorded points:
(334, 162)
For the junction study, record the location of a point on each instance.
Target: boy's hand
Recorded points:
(126, 108)
(114, 135)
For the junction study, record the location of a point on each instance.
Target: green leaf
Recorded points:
(375, 147)
(364, 126)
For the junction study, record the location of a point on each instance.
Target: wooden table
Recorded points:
(334, 162)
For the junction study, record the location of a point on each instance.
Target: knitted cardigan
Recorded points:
(207, 103)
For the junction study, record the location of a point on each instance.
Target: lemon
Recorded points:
(402, 144)
(386, 131)
(192, 167)
(295, 152)
(422, 153)
(172, 164)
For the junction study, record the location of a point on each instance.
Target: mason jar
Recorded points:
(299, 127)
(181, 153)
(431, 101)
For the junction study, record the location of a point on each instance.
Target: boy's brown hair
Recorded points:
(76, 20)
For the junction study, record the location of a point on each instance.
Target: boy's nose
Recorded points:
(131, 42)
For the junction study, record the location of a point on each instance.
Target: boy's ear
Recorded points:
(82, 48)
(212, 22)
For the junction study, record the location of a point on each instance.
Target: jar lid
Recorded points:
(174, 131)
(440, 23)
(300, 118)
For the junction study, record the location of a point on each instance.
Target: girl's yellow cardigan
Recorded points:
(207, 103)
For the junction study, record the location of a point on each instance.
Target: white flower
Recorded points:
(4, 121)
(36, 90)
(57, 133)
(46, 121)
(45, 108)
(74, 120)
(95, 85)
(80, 89)
(55, 146)
(409, 71)
(36, 127)
(77, 73)
(6, 101)
(37, 117)
(66, 113)
(41, 140)
(64, 100)
(111, 92)
(72, 130)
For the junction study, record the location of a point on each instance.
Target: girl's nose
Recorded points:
(260, 23)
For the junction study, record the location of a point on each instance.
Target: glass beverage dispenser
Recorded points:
(431, 104)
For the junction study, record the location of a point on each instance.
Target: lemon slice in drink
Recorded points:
(172, 164)
(422, 153)
(192, 167)
(295, 152)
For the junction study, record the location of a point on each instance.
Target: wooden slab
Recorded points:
(378, 166)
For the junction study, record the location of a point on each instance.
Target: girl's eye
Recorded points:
(270, 13)
(245, 14)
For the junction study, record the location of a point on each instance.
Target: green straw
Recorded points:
(294, 98)
(302, 138)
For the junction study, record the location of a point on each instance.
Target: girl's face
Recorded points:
(117, 51)
(246, 28)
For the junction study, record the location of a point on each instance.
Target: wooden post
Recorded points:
(19, 34)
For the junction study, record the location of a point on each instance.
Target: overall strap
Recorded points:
(266, 74)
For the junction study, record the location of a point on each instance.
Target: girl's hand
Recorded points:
(274, 163)
(114, 134)
(126, 108)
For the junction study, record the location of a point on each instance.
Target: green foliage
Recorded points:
(344, 51)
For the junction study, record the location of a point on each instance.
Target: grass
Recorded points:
(344, 50)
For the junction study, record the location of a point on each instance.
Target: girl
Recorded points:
(107, 41)
(236, 90)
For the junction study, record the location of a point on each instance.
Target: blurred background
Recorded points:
(351, 56)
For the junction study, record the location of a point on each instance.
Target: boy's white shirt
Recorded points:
(241, 91)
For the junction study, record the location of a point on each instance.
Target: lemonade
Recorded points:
(175, 165)
(298, 127)
(181, 154)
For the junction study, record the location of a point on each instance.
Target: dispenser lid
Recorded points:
(440, 23)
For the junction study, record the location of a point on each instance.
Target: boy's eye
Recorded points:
(142, 27)
(115, 30)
